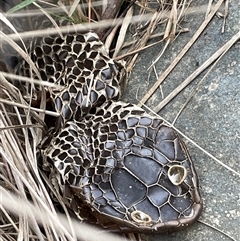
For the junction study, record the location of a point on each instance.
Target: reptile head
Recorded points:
(129, 169)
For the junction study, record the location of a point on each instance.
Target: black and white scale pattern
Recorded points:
(115, 165)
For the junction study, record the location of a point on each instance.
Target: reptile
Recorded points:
(113, 164)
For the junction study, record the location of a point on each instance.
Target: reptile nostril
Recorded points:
(177, 174)
(141, 217)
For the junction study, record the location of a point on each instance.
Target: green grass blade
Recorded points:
(21, 5)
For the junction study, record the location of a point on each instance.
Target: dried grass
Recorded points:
(27, 210)
(181, 54)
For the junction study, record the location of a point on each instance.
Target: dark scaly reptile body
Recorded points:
(114, 164)
(80, 65)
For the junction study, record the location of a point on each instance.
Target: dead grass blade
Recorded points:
(210, 2)
(22, 166)
(30, 213)
(180, 55)
(161, 53)
(73, 8)
(122, 33)
(19, 126)
(225, 15)
(172, 22)
(184, 30)
(116, 23)
(219, 230)
(205, 65)
(28, 80)
(11, 103)
(171, 28)
(84, 232)
(16, 99)
(157, 16)
(21, 5)
(8, 23)
(15, 46)
(10, 151)
(76, 27)
(50, 18)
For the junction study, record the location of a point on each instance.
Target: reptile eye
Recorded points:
(177, 174)
(141, 217)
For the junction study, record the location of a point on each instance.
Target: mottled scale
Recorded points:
(131, 178)
(76, 61)
(114, 165)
